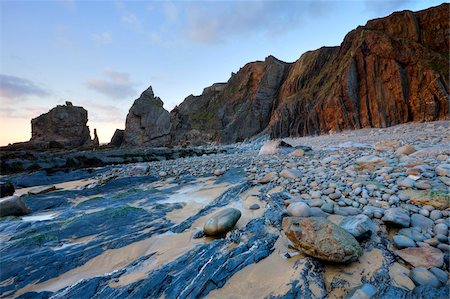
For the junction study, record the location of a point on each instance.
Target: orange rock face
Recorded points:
(391, 71)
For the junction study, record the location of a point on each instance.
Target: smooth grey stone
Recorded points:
(360, 226)
(421, 276)
(403, 242)
(413, 234)
(254, 206)
(435, 215)
(222, 222)
(346, 211)
(328, 207)
(365, 291)
(362, 201)
(370, 210)
(424, 212)
(421, 221)
(299, 209)
(440, 274)
(441, 238)
(317, 212)
(441, 229)
(444, 247)
(397, 216)
(406, 183)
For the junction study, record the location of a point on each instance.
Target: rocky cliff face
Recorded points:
(64, 126)
(148, 123)
(234, 111)
(392, 70)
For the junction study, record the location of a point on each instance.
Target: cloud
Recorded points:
(215, 22)
(117, 85)
(102, 38)
(12, 87)
(154, 37)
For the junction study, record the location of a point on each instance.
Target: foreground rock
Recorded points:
(322, 239)
(13, 206)
(148, 123)
(222, 222)
(426, 257)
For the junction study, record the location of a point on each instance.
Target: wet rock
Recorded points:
(322, 239)
(421, 221)
(397, 216)
(403, 242)
(222, 222)
(6, 189)
(366, 291)
(426, 257)
(299, 209)
(422, 276)
(13, 206)
(359, 226)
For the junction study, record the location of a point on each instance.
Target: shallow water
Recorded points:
(42, 217)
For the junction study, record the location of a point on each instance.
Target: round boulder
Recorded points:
(222, 222)
(322, 239)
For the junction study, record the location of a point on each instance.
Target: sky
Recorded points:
(101, 55)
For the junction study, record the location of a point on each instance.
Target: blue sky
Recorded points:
(102, 54)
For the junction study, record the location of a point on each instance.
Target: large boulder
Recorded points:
(61, 127)
(13, 206)
(147, 123)
(222, 222)
(322, 239)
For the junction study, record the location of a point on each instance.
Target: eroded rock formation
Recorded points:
(63, 126)
(148, 123)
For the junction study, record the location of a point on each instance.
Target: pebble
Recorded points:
(403, 242)
(366, 291)
(443, 170)
(423, 185)
(359, 226)
(406, 182)
(397, 216)
(328, 207)
(441, 275)
(254, 206)
(299, 209)
(421, 221)
(422, 276)
(441, 229)
(435, 215)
